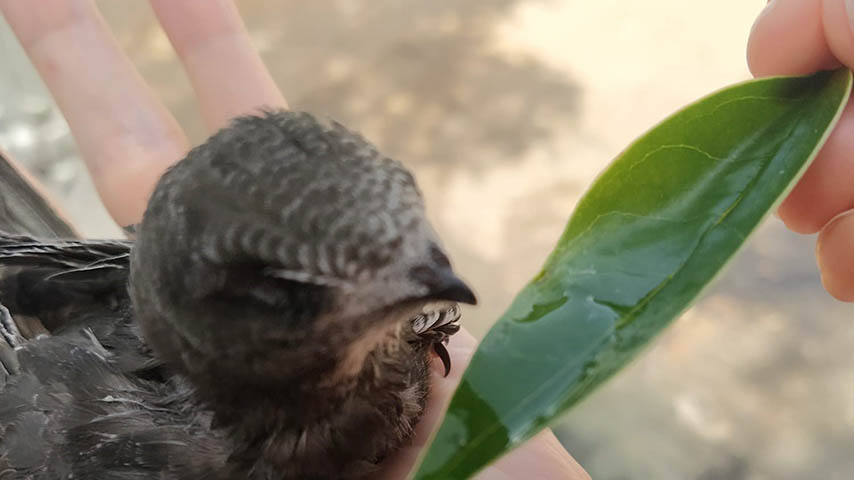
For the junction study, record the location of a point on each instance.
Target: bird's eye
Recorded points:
(423, 274)
(438, 257)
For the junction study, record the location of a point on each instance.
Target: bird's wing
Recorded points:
(50, 286)
(53, 279)
(41, 281)
(91, 385)
(68, 410)
(436, 324)
(66, 254)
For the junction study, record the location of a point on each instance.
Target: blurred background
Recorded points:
(506, 110)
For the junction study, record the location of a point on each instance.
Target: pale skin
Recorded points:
(799, 37)
(128, 138)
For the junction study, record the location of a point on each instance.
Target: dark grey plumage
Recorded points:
(22, 208)
(288, 289)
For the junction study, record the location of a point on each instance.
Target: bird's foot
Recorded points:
(10, 339)
(9, 329)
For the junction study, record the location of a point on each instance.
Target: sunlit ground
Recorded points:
(506, 110)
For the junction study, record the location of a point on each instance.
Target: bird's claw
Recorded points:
(8, 328)
(443, 354)
(10, 339)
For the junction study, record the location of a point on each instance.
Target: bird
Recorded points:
(275, 317)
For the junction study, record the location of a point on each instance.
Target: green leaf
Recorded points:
(652, 232)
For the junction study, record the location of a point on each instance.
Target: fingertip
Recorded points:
(796, 215)
(788, 38)
(838, 26)
(756, 43)
(835, 256)
(227, 73)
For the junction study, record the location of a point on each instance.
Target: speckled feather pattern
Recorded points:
(344, 204)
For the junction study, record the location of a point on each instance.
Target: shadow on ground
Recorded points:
(419, 78)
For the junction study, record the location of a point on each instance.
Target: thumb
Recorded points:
(792, 37)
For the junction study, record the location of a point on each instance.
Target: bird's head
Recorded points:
(279, 242)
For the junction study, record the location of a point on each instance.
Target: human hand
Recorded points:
(128, 138)
(793, 37)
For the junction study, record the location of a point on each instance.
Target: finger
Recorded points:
(835, 254)
(788, 39)
(801, 36)
(227, 74)
(825, 189)
(125, 135)
(461, 347)
(541, 458)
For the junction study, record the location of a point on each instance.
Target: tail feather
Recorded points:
(23, 209)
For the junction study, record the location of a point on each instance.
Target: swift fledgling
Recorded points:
(274, 319)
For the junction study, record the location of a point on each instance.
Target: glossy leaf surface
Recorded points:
(653, 231)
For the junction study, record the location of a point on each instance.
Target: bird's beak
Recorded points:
(447, 286)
